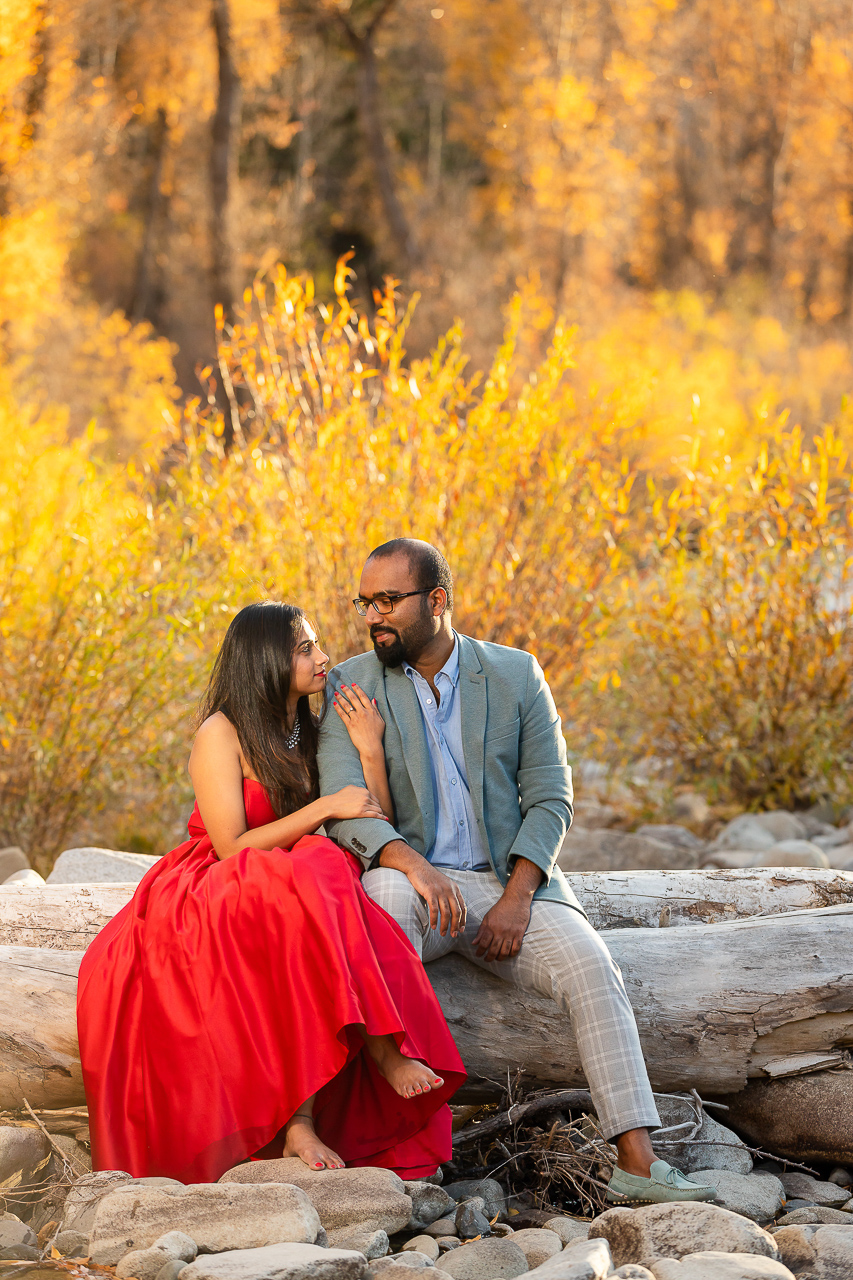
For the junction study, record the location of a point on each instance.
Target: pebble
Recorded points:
(146, 1264)
(448, 1242)
(373, 1244)
(486, 1260)
(71, 1244)
(633, 1271)
(841, 1177)
(491, 1192)
(422, 1244)
(20, 1253)
(805, 1187)
(537, 1244)
(414, 1260)
(568, 1228)
(429, 1203)
(822, 1252)
(471, 1221)
(171, 1269)
(443, 1227)
(819, 1214)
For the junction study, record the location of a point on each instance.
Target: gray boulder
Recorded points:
(802, 1186)
(171, 1269)
(372, 1198)
(711, 1264)
(442, 1226)
(89, 1190)
(747, 832)
(580, 1260)
(568, 1229)
(538, 1244)
(815, 1215)
(100, 866)
(620, 851)
(755, 1195)
(712, 1147)
(429, 1203)
(217, 1217)
(491, 1192)
(279, 1262)
(471, 1221)
(485, 1260)
(426, 1245)
(411, 1258)
(13, 1233)
(821, 1253)
(675, 1230)
(146, 1264)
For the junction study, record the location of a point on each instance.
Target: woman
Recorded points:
(251, 999)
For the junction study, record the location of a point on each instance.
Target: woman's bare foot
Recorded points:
(301, 1140)
(407, 1076)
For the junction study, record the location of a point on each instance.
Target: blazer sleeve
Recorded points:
(340, 766)
(544, 779)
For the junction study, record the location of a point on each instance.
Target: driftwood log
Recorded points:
(68, 916)
(716, 1005)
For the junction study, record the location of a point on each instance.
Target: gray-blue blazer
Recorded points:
(515, 757)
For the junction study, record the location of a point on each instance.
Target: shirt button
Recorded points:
(462, 824)
(453, 782)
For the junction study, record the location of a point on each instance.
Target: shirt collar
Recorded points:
(450, 668)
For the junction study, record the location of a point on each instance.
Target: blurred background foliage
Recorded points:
(636, 219)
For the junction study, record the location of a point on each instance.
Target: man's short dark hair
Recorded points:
(428, 565)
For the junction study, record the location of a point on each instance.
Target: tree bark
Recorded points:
(716, 1005)
(223, 163)
(66, 917)
(141, 308)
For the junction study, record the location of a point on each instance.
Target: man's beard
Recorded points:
(408, 645)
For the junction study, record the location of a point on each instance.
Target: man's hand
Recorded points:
(442, 896)
(503, 928)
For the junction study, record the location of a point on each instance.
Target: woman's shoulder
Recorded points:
(217, 728)
(215, 742)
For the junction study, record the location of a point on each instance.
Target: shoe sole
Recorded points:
(633, 1202)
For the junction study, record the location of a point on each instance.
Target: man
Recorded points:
(483, 798)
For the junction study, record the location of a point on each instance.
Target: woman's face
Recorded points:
(308, 668)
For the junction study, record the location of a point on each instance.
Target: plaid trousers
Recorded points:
(562, 957)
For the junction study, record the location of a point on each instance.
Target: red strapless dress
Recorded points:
(226, 993)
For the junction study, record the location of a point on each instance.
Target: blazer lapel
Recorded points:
(473, 703)
(405, 708)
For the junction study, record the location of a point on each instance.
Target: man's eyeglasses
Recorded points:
(385, 604)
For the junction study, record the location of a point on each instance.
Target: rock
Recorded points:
(442, 1227)
(815, 1215)
(755, 1195)
(24, 1156)
(372, 1198)
(620, 851)
(100, 866)
(569, 1229)
(71, 1244)
(592, 815)
(217, 1217)
(13, 1233)
(674, 1230)
(839, 856)
(448, 1242)
(841, 1177)
(21, 1253)
(146, 1264)
(27, 876)
(422, 1244)
(580, 1260)
(413, 1259)
(803, 1186)
(75, 1153)
(792, 853)
(88, 1191)
(728, 860)
(747, 832)
(491, 1192)
(633, 1271)
(12, 860)
(690, 806)
(171, 1269)
(711, 1264)
(538, 1244)
(803, 1118)
(279, 1262)
(373, 1244)
(713, 1147)
(429, 1202)
(471, 1221)
(502, 1230)
(485, 1260)
(821, 1253)
(670, 833)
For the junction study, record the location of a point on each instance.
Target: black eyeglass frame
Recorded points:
(361, 606)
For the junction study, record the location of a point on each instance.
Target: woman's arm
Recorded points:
(366, 728)
(216, 769)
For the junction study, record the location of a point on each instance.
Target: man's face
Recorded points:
(400, 636)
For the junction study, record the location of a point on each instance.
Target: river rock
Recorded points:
(71, 1244)
(747, 832)
(839, 856)
(429, 1203)
(485, 1260)
(620, 851)
(279, 1262)
(713, 1147)
(100, 866)
(373, 1244)
(146, 1264)
(89, 1190)
(538, 1244)
(792, 853)
(711, 1264)
(675, 1230)
(580, 1260)
(821, 1253)
(217, 1217)
(671, 833)
(804, 1187)
(690, 806)
(13, 1233)
(804, 1118)
(27, 876)
(568, 1229)
(413, 1259)
(24, 1156)
(755, 1195)
(492, 1194)
(471, 1221)
(442, 1227)
(372, 1198)
(633, 1271)
(171, 1270)
(21, 1253)
(814, 1215)
(426, 1245)
(12, 860)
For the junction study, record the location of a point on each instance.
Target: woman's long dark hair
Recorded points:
(249, 684)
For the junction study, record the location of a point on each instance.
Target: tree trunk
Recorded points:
(223, 163)
(716, 1005)
(67, 917)
(141, 308)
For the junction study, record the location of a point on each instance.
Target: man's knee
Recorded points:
(391, 889)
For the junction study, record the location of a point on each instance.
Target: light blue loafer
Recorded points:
(664, 1186)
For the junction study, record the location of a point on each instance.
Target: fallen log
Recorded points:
(68, 916)
(716, 1005)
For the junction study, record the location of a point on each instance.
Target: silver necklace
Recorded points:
(293, 737)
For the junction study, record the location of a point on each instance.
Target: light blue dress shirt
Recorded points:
(457, 839)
